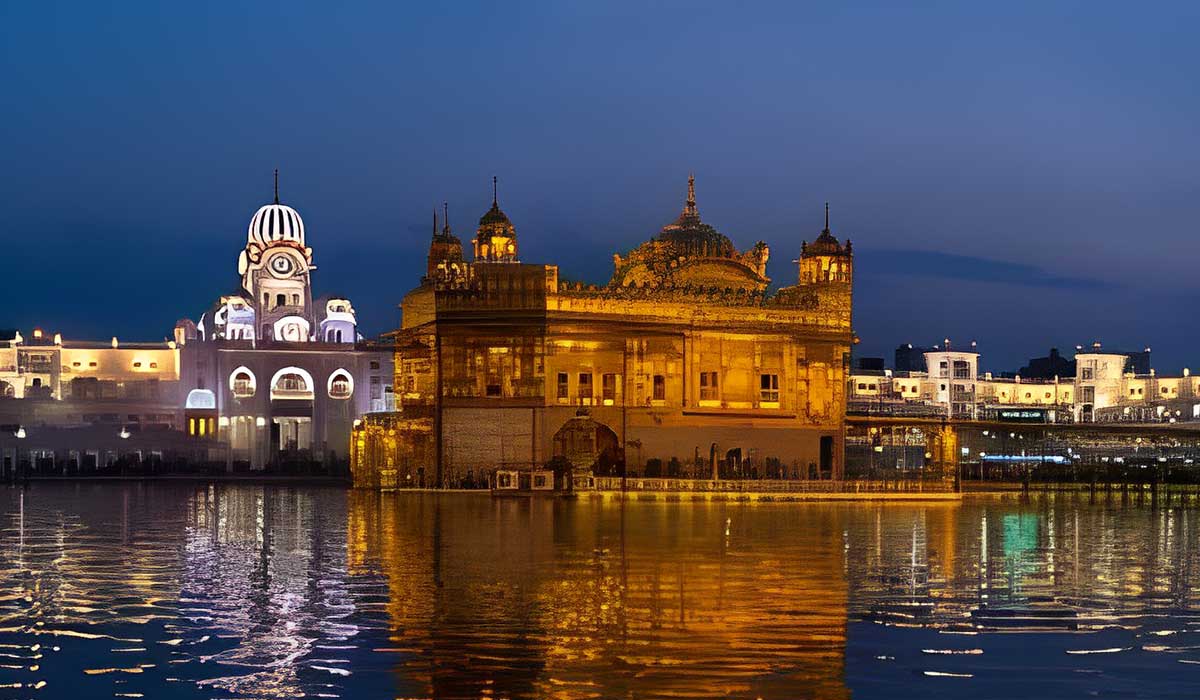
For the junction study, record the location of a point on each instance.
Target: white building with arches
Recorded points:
(289, 373)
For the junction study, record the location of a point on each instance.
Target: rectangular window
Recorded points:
(374, 364)
(608, 388)
(1088, 372)
(768, 385)
(493, 390)
(708, 386)
(564, 387)
(585, 386)
(660, 388)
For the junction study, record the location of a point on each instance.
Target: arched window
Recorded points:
(242, 383)
(280, 300)
(292, 383)
(341, 385)
(296, 300)
(6, 390)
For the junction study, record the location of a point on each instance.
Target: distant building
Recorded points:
(909, 359)
(868, 364)
(1099, 386)
(1049, 367)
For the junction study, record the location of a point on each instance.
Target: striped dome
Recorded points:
(276, 222)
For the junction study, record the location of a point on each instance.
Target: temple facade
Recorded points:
(685, 364)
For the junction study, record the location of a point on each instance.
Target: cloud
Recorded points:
(925, 263)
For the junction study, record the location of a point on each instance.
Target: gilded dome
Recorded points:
(688, 251)
(691, 235)
(496, 237)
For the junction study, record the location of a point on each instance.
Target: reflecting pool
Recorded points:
(165, 590)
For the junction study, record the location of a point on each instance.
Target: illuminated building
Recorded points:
(283, 375)
(684, 363)
(269, 375)
(69, 402)
(1102, 389)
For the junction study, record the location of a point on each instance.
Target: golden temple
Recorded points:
(685, 364)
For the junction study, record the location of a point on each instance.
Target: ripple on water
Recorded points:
(250, 591)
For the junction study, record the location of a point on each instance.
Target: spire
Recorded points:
(495, 188)
(826, 217)
(435, 229)
(446, 218)
(277, 185)
(690, 206)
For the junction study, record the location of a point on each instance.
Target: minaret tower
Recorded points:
(445, 250)
(826, 261)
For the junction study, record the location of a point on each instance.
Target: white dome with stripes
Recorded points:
(276, 222)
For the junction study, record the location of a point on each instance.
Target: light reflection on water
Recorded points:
(178, 591)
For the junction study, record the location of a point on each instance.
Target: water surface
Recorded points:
(181, 591)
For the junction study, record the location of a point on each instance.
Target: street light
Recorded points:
(20, 434)
(124, 434)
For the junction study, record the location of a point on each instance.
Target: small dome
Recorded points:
(826, 243)
(495, 216)
(276, 222)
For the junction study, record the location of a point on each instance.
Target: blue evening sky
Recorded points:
(1021, 174)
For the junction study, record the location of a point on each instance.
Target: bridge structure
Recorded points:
(946, 451)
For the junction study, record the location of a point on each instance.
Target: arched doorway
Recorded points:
(588, 445)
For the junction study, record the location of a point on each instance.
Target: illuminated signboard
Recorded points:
(1022, 415)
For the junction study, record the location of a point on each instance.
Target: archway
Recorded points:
(588, 445)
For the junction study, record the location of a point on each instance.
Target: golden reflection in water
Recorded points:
(545, 598)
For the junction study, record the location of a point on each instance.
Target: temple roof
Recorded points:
(689, 251)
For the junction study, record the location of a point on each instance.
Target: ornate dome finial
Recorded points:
(689, 207)
(277, 185)
(826, 217)
(495, 188)
(446, 219)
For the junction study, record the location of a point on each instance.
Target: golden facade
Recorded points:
(683, 364)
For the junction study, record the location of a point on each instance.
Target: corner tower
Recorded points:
(445, 250)
(496, 237)
(826, 261)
